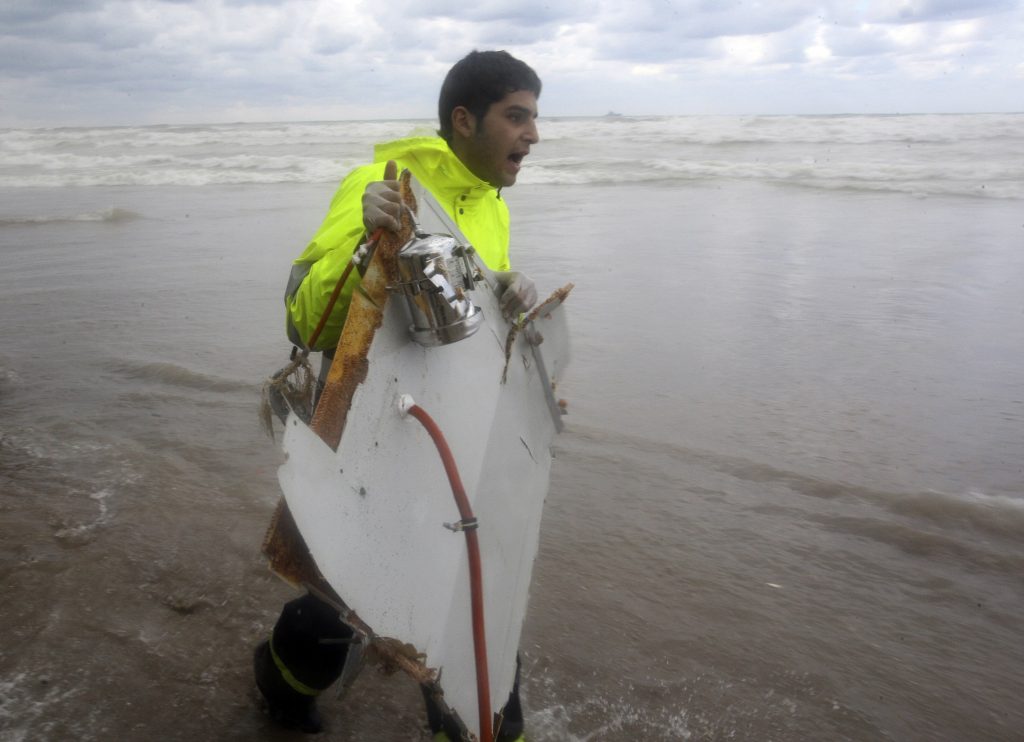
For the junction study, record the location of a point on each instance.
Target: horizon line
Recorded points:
(553, 117)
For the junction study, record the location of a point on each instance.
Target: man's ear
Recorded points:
(463, 122)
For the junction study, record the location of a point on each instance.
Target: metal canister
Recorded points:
(435, 273)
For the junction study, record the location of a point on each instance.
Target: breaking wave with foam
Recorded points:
(177, 376)
(111, 215)
(957, 155)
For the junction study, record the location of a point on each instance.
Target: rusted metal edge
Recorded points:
(283, 545)
(556, 298)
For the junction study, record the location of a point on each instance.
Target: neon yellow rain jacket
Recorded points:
(475, 206)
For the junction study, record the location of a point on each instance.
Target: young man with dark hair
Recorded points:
(488, 124)
(487, 110)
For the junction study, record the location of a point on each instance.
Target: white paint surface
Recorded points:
(372, 513)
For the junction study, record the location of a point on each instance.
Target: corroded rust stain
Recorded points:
(283, 545)
(287, 552)
(365, 315)
(392, 655)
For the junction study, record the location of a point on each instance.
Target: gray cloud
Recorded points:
(917, 11)
(499, 35)
(27, 12)
(528, 13)
(856, 42)
(127, 60)
(703, 19)
(666, 32)
(950, 10)
(652, 48)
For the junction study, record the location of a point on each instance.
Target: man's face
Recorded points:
(495, 149)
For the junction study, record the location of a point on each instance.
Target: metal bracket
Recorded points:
(534, 339)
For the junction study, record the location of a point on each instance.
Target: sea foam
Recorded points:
(979, 155)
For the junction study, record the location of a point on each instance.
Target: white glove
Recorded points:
(382, 203)
(382, 206)
(518, 293)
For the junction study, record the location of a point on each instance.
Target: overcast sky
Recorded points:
(83, 62)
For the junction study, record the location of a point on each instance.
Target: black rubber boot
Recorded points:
(311, 645)
(286, 706)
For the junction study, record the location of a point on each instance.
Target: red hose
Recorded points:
(483, 684)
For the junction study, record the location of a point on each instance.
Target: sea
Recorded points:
(788, 503)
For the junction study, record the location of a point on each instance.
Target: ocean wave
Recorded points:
(972, 155)
(670, 131)
(1003, 180)
(81, 478)
(1000, 186)
(50, 170)
(113, 215)
(36, 444)
(991, 516)
(82, 533)
(177, 138)
(174, 375)
(921, 542)
(8, 376)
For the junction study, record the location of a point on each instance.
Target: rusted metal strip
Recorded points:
(283, 544)
(556, 298)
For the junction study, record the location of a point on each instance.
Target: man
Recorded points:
(487, 110)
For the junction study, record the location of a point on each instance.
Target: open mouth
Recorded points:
(517, 157)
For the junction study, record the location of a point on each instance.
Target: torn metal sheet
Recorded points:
(372, 512)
